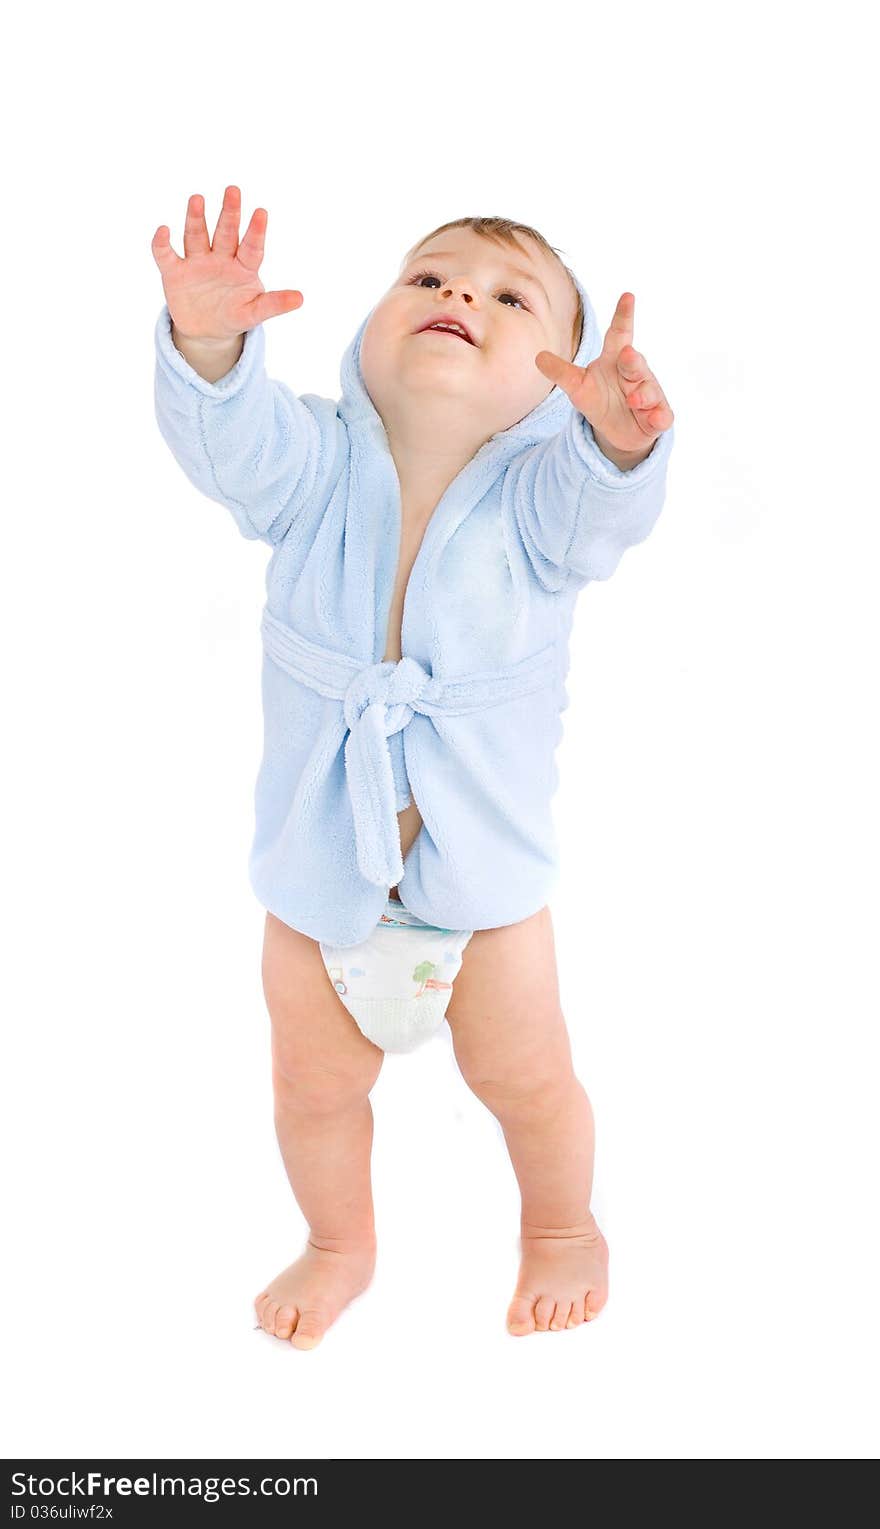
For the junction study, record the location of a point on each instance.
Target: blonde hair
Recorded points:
(504, 231)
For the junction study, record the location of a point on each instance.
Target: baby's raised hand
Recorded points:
(617, 392)
(214, 292)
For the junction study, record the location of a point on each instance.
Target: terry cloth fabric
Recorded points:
(468, 722)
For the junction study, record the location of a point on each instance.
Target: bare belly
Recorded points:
(409, 822)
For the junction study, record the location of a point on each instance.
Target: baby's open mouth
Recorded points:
(447, 326)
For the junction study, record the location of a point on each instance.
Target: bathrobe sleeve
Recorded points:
(245, 441)
(575, 511)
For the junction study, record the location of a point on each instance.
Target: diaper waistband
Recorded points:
(397, 915)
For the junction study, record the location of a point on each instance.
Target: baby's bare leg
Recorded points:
(322, 1071)
(513, 1050)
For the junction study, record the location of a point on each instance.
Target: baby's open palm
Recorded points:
(214, 292)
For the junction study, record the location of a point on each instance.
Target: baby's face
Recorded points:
(514, 302)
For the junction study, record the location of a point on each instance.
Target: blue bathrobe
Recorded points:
(468, 722)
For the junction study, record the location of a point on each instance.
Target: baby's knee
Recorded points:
(320, 1088)
(326, 1084)
(535, 1086)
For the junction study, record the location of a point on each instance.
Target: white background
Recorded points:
(716, 918)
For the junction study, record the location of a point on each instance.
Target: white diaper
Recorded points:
(397, 983)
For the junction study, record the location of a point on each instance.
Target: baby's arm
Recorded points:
(576, 512)
(242, 438)
(597, 487)
(212, 359)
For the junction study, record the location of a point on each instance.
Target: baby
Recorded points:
(430, 532)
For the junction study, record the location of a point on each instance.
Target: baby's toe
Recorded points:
(285, 1321)
(544, 1313)
(593, 1304)
(576, 1315)
(310, 1329)
(521, 1315)
(560, 1316)
(267, 1316)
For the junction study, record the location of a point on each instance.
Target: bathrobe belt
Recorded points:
(377, 701)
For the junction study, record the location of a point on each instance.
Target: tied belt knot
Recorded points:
(396, 687)
(378, 700)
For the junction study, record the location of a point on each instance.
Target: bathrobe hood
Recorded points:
(545, 419)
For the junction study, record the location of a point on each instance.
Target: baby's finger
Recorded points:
(268, 305)
(165, 257)
(621, 327)
(195, 229)
(225, 241)
(645, 394)
(558, 370)
(253, 246)
(660, 417)
(632, 365)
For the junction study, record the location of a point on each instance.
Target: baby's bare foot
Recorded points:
(302, 1302)
(563, 1279)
